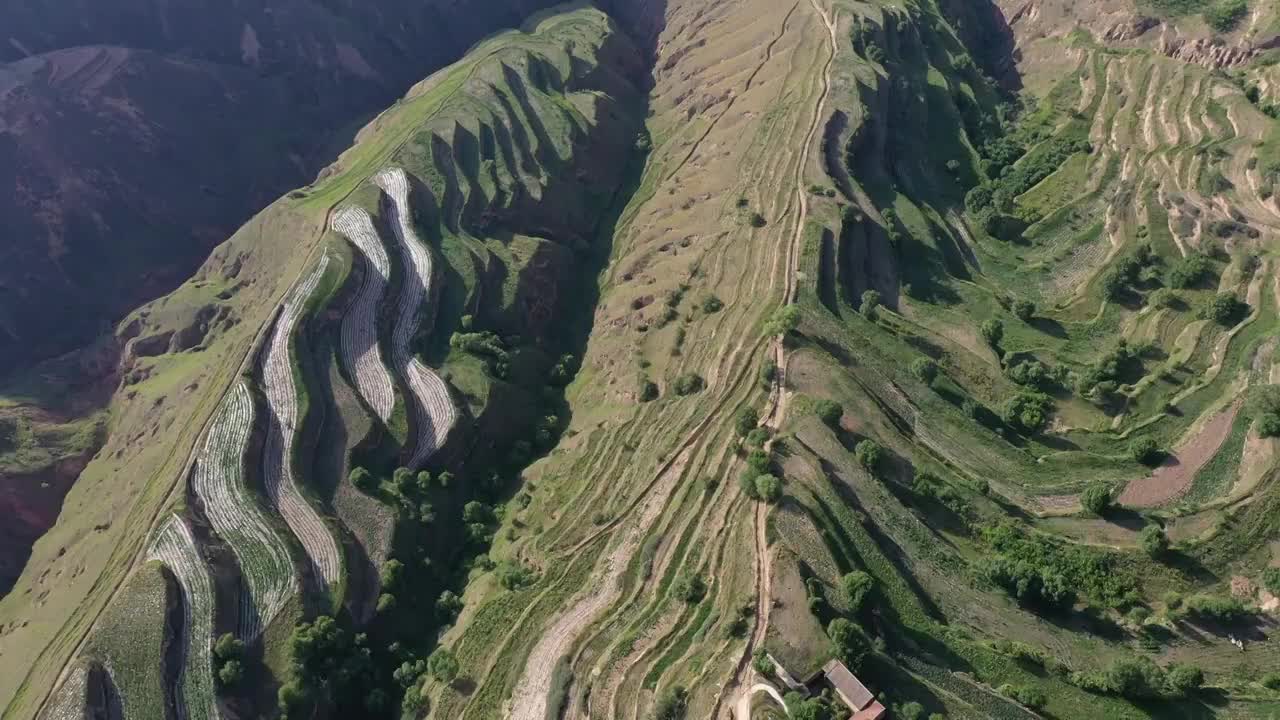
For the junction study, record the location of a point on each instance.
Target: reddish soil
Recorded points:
(1172, 478)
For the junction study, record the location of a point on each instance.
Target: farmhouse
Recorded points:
(852, 692)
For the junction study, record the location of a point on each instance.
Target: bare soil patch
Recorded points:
(1174, 476)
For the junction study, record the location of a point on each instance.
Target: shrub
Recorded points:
(513, 576)
(924, 369)
(1217, 608)
(1226, 15)
(768, 488)
(648, 391)
(869, 454)
(829, 412)
(1164, 298)
(672, 704)
(1271, 681)
(688, 384)
(1145, 450)
(363, 480)
(783, 321)
(1024, 310)
(757, 220)
(1189, 271)
(1135, 678)
(1096, 499)
(1184, 680)
(443, 665)
(992, 332)
(712, 304)
(857, 585)
(1271, 580)
(691, 589)
(1027, 695)
(870, 303)
(1155, 542)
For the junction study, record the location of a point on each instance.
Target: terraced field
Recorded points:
(232, 509)
(175, 548)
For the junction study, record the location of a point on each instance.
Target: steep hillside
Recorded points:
(647, 360)
(134, 137)
(475, 202)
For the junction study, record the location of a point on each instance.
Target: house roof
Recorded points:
(851, 690)
(874, 711)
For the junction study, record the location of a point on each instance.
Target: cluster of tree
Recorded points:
(1100, 381)
(1138, 268)
(228, 661)
(1031, 373)
(1041, 571)
(993, 200)
(1216, 608)
(1225, 309)
(1027, 412)
(331, 666)
(757, 480)
(926, 485)
(1139, 678)
(746, 423)
(487, 346)
(818, 707)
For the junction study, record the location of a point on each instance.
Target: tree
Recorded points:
(856, 585)
(745, 421)
(648, 391)
(390, 574)
(783, 321)
(1189, 271)
(448, 605)
(443, 665)
(363, 480)
(768, 488)
(228, 647)
(992, 332)
(291, 697)
(1024, 310)
(908, 711)
(829, 412)
(849, 641)
(757, 220)
(869, 454)
(1154, 541)
(924, 369)
(230, 674)
(1096, 498)
(712, 304)
(870, 304)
